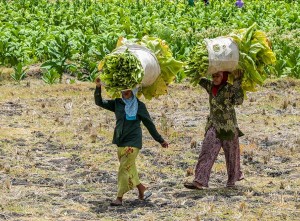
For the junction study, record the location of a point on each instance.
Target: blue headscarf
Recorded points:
(131, 105)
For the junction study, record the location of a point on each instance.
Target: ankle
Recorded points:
(141, 188)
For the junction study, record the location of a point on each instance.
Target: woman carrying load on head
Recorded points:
(129, 112)
(221, 130)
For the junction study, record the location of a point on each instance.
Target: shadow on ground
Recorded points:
(223, 192)
(103, 206)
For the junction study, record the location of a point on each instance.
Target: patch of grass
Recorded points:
(5, 73)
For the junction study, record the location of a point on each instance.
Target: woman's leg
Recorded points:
(127, 175)
(232, 156)
(210, 149)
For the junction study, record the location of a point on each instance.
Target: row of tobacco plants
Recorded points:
(73, 36)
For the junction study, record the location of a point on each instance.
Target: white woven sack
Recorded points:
(223, 54)
(148, 61)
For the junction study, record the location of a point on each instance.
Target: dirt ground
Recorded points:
(57, 161)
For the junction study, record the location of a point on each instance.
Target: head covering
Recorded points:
(131, 105)
(215, 88)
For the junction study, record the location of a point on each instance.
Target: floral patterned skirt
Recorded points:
(128, 177)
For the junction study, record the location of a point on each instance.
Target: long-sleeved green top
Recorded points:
(128, 132)
(222, 114)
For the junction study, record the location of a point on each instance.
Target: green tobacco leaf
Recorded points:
(48, 64)
(255, 56)
(121, 71)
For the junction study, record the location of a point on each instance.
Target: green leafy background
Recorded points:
(81, 32)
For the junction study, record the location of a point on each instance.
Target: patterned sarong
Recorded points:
(127, 175)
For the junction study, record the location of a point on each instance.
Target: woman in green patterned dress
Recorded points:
(221, 130)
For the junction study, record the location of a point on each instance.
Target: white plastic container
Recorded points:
(223, 54)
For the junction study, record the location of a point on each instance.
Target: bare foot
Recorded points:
(241, 177)
(142, 190)
(197, 185)
(117, 202)
(193, 185)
